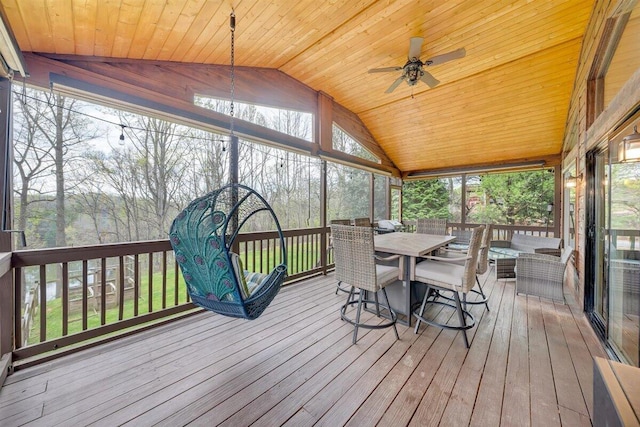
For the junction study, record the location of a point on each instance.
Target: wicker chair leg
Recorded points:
(461, 318)
(391, 313)
(484, 297)
(422, 307)
(350, 296)
(375, 297)
(355, 328)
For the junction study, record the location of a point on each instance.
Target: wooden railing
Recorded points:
(500, 232)
(94, 293)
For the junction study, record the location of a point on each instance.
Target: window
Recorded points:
(289, 122)
(345, 143)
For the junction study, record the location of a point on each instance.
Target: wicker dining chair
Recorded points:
(483, 262)
(362, 222)
(356, 266)
(443, 274)
(339, 287)
(437, 226)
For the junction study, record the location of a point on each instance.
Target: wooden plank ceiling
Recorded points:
(505, 101)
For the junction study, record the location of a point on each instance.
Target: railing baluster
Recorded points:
(150, 285)
(121, 287)
(43, 303)
(85, 295)
(103, 291)
(65, 299)
(176, 295)
(136, 284)
(17, 307)
(164, 279)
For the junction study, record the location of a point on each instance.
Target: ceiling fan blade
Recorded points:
(384, 70)
(395, 84)
(415, 47)
(429, 79)
(439, 59)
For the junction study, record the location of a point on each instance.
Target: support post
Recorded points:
(6, 283)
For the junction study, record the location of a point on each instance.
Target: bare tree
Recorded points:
(32, 159)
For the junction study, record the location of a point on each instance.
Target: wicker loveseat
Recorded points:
(504, 252)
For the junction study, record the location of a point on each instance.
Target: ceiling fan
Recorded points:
(413, 70)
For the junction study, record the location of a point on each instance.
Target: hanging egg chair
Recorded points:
(203, 236)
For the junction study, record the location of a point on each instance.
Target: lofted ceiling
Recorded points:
(506, 101)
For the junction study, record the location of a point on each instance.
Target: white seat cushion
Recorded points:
(386, 274)
(444, 274)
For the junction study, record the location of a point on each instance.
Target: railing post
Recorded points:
(6, 312)
(6, 279)
(323, 216)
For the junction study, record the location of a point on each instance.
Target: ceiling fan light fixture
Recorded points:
(629, 147)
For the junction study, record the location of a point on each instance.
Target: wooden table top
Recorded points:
(410, 244)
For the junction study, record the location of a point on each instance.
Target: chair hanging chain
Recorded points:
(232, 25)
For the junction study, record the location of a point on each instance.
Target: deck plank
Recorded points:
(437, 396)
(515, 409)
(544, 404)
(200, 373)
(488, 407)
(463, 396)
(374, 408)
(580, 355)
(297, 366)
(566, 381)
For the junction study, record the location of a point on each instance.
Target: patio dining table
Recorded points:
(411, 246)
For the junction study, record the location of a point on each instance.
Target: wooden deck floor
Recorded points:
(530, 363)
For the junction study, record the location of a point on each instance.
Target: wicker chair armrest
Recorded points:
(446, 259)
(453, 251)
(500, 244)
(549, 251)
(540, 257)
(389, 258)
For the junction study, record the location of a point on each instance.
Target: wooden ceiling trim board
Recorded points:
(106, 25)
(38, 13)
(145, 29)
(304, 38)
(84, 18)
(126, 29)
(164, 29)
(13, 12)
(181, 27)
(62, 28)
(250, 28)
(201, 24)
(215, 33)
(254, 53)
